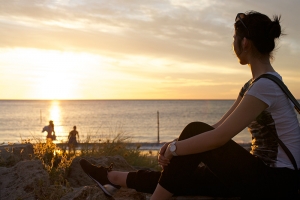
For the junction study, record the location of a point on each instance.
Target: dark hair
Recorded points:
(262, 31)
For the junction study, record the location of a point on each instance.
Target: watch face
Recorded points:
(172, 147)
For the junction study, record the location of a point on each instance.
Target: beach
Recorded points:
(22, 170)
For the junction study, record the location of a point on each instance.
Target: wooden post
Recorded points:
(157, 127)
(41, 118)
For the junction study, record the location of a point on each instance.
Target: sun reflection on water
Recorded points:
(55, 116)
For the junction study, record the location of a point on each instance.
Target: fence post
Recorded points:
(41, 118)
(157, 127)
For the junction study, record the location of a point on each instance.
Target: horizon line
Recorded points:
(115, 99)
(120, 99)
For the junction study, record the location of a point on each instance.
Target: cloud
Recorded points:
(149, 40)
(154, 27)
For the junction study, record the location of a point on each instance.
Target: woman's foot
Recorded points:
(99, 175)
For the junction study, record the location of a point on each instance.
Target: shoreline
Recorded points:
(144, 146)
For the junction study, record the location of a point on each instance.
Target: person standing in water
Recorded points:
(49, 129)
(73, 139)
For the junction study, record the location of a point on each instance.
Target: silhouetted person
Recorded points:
(49, 129)
(73, 140)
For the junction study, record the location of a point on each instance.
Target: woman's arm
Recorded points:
(235, 104)
(246, 111)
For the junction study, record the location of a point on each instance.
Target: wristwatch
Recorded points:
(173, 148)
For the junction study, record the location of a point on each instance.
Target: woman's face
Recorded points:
(238, 49)
(235, 45)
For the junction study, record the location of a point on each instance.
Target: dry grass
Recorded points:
(57, 161)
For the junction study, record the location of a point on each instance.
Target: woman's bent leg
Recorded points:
(143, 180)
(231, 165)
(118, 178)
(146, 180)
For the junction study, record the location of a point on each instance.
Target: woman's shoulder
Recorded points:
(265, 84)
(245, 88)
(266, 89)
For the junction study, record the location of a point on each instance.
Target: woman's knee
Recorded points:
(194, 128)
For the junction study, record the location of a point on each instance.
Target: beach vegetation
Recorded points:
(118, 145)
(56, 159)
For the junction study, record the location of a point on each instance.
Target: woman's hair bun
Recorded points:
(275, 28)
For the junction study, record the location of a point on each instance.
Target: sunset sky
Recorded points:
(133, 49)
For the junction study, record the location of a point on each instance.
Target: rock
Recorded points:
(86, 192)
(126, 193)
(11, 154)
(21, 180)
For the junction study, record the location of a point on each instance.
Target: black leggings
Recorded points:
(229, 170)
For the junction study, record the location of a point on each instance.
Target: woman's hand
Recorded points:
(162, 160)
(168, 155)
(165, 155)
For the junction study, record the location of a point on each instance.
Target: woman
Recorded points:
(264, 173)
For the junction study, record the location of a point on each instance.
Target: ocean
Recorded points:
(104, 119)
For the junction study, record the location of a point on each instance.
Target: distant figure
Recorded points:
(72, 139)
(50, 129)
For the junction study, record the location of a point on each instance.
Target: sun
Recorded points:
(57, 75)
(55, 85)
(31, 73)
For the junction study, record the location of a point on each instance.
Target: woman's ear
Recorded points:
(246, 44)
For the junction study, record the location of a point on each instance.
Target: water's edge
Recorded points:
(141, 146)
(145, 146)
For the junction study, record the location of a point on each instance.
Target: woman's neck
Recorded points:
(260, 66)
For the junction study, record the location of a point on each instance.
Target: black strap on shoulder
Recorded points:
(287, 151)
(297, 107)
